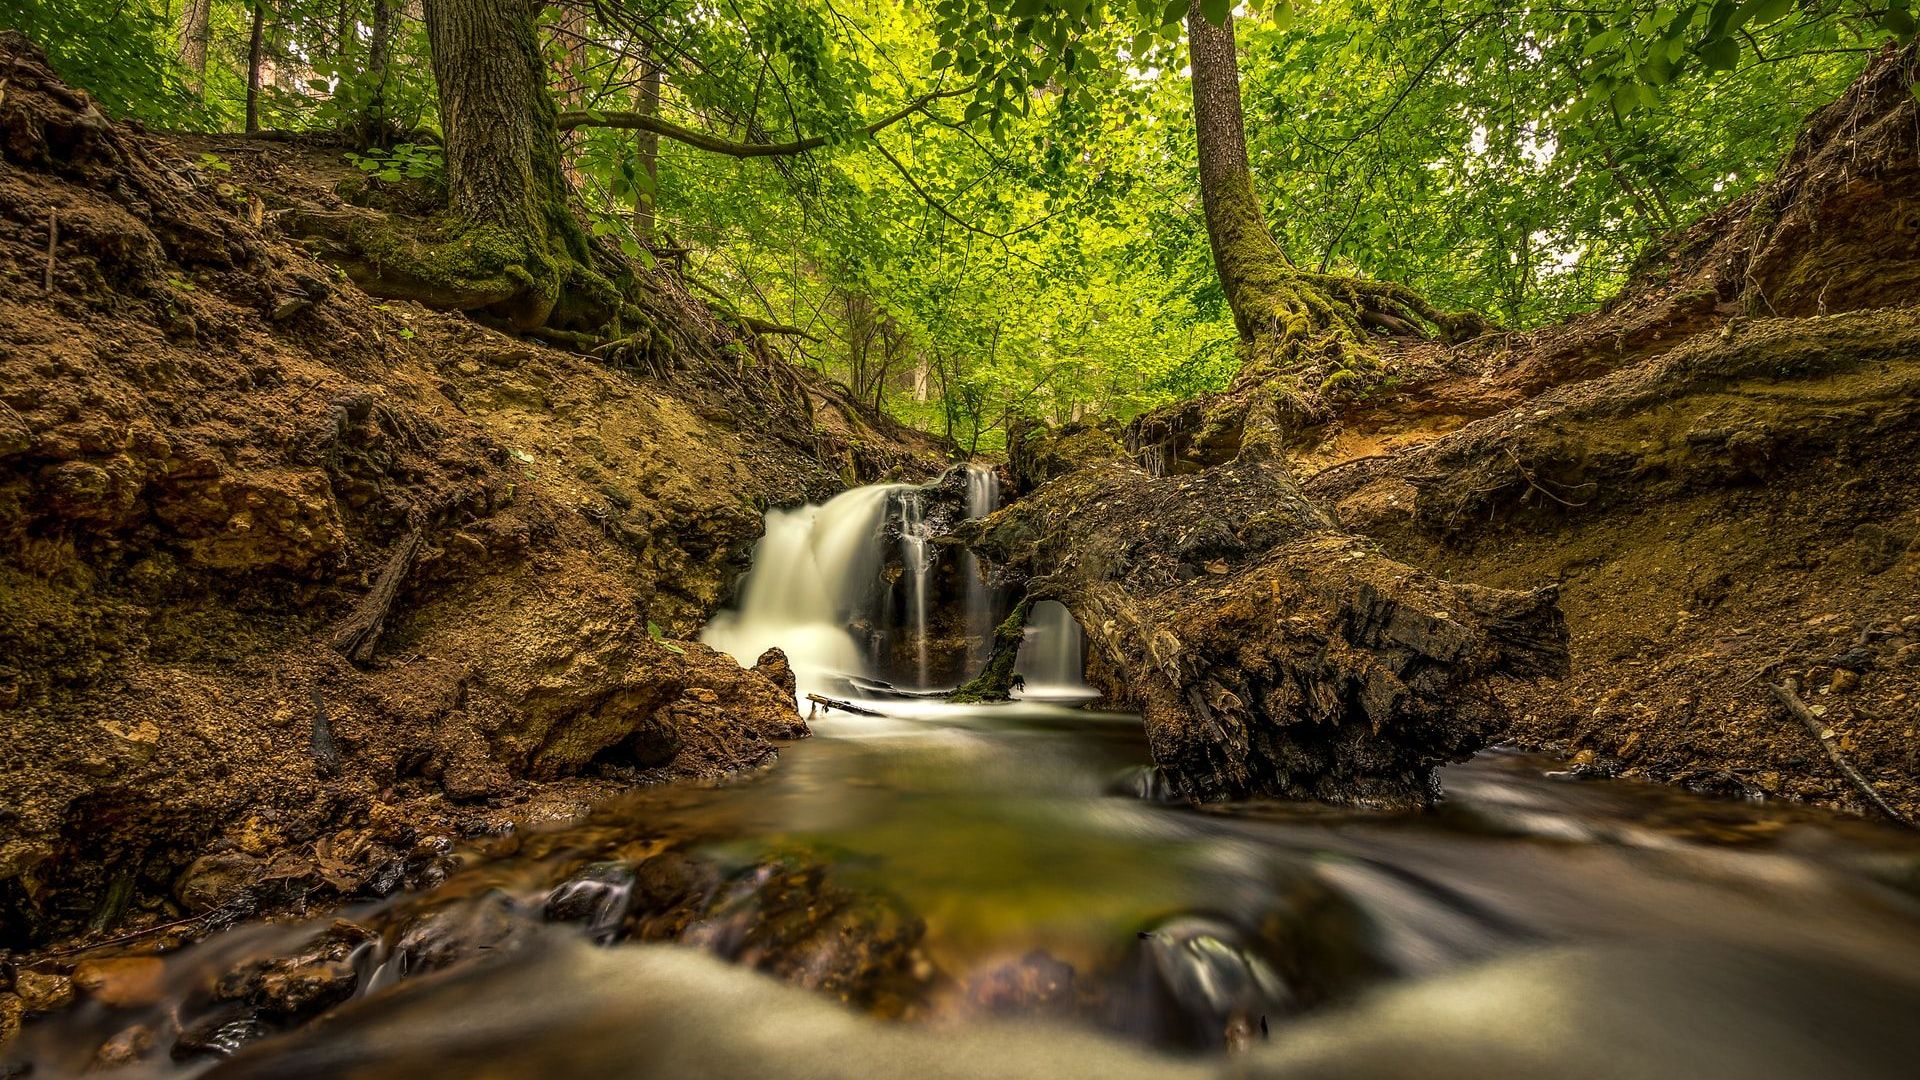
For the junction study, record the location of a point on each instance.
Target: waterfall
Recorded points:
(983, 498)
(1051, 660)
(815, 572)
(916, 567)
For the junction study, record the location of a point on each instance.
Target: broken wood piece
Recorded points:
(844, 706)
(326, 752)
(1788, 699)
(53, 244)
(359, 633)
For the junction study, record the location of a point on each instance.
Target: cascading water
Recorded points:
(815, 572)
(916, 566)
(1052, 660)
(983, 498)
(819, 590)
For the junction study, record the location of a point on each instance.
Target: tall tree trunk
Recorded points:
(1245, 253)
(196, 29)
(344, 32)
(375, 129)
(256, 55)
(503, 156)
(646, 145)
(1274, 304)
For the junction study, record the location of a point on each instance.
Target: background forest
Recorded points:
(981, 209)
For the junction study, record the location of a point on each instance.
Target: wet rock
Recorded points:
(598, 895)
(1036, 983)
(1201, 981)
(442, 938)
(320, 976)
(125, 1048)
(773, 666)
(12, 1012)
(219, 1034)
(124, 982)
(215, 880)
(43, 991)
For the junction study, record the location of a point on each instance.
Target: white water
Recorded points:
(916, 564)
(817, 577)
(983, 498)
(813, 572)
(1052, 659)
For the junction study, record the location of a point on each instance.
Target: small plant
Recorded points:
(212, 163)
(406, 161)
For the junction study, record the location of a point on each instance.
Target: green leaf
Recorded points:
(1216, 11)
(653, 631)
(1600, 43)
(1720, 54)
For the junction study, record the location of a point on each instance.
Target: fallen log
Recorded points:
(843, 706)
(1269, 652)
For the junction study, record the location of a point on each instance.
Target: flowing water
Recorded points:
(1002, 884)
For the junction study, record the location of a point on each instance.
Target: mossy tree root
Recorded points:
(996, 678)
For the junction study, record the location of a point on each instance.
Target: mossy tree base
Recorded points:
(997, 677)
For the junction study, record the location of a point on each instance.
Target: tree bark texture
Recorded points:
(256, 56)
(503, 155)
(196, 30)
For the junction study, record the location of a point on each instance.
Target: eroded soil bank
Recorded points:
(219, 459)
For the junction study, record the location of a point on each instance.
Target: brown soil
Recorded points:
(1717, 470)
(212, 445)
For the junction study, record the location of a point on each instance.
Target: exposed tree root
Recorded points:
(1271, 653)
(997, 678)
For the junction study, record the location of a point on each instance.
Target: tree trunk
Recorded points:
(379, 65)
(1274, 304)
(196, 29)
(256, 55)
(503, 158)
(1245, 254)
(646, 145)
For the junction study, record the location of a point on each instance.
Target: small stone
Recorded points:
(43, 991)
(12, 1012)
(125, 1048)
(1908, 656)
(214, 880)
(289, 307)
(1844, 682)
(123, 982)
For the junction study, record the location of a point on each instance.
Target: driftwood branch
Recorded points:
(843, 706)
(359, 633)
(1796, 708)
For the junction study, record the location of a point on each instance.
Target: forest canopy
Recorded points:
(977, 210)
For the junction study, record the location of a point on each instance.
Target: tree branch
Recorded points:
(636, 121)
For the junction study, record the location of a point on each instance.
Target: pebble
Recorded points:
(43, 991)
(123, 982)
(1844, 682)
(1908, 656)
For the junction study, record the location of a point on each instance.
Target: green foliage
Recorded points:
(123, 53)
(405, 161)
(1030, 242)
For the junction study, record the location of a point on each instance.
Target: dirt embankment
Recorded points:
(1718, 471)
(215, 452)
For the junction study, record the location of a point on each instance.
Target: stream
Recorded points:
(999, 891)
